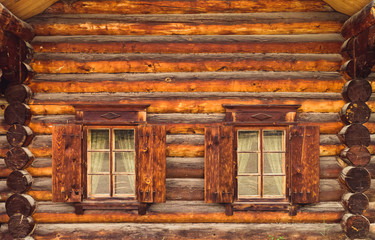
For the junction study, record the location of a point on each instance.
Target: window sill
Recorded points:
(261, 206)
(123, 205)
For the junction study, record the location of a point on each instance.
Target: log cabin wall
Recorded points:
(186, 59)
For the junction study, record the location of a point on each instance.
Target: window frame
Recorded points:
(85, 151)
(286, 163)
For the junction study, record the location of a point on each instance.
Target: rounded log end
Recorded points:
(21, 226)
(20, 203)
(19, 181)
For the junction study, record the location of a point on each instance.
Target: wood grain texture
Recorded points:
(151, 63)
(198, 6)
(66, 163)
(188, 24)
(302, 43)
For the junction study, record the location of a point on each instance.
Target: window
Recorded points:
(261, 158)
(109, 153)
(261, 161)
(110, 162)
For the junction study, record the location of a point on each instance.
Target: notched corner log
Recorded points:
(20, 203)
(355, 112)
(356, 155)
(21, 226)
(355, 134)
(18, 158)
(355, 179)
(357, 90)
(19, 181)
(19, 135)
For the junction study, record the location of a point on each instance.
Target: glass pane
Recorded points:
(99, 162)
(273, 162)
(247, 163)
(124, 162)
(273, 140)
(99, 139)
(124, 139)
(248, 140)
(247, 186)
(125, 184)
(99, 184)
(273, 185)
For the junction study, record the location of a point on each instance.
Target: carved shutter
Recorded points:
(219, 165)
(151, 163)
(304, 156)
(67, 163)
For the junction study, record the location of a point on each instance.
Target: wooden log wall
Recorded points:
(15, 54)
(356, 178)
(186, 59)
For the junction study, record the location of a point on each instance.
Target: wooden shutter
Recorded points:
(67, 163)
(219, 164)
(304, 156)
(151, 163)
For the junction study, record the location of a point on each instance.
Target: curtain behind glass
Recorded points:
(124, 162)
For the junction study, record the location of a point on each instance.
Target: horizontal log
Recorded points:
(186, 231)
(185, 167)
(188, 24)
(359, 21)
(151, 63)
(251, 81)
(11, 23)
(303, 43)
(199, 6)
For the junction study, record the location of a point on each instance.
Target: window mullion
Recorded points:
(261, 162)
(111, 144)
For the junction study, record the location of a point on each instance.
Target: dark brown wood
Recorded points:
(18, 93)
(219, 165)
(354, 134)
(19, 135)
(356, 155)
(355, 112)
(359, 21)
(357, 90)
(21, 226)
(18, 158)
(151, 164)
(228, 209)
(355, 203)
(66, 163)
(19, 181)
(358, 68)
(20, 203)
(17, 113)
(304, 161)
(355, 179)
(142, 208)
(111, 114)
(355, 226)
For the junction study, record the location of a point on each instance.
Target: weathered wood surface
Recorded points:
(191, 123)
(188, 24)
(21, 226)
(355, 226)
(355, 179)
(19, 181)
(17, 113)
(357, 156)
(15, 25)
(151, 63)
(18, 93)
(357, 90)
(187, 189)
(251, 81)
(355, 112)
(359, 21)
(303, 43)
(25, 9)
(19, 135)
(355, 134)
(186, 231)
(20, 203)
(18, 158)
(355, 203)
(198, 6)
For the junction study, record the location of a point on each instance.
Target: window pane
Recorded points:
(99, 139)
(125, 184)
(273, 162)
(99, 162)
(124, 139)
(247, 163)
(273, 185)
(99, 184)
(248, 140)
(273, 140)
(124, 162)
(247, 186)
